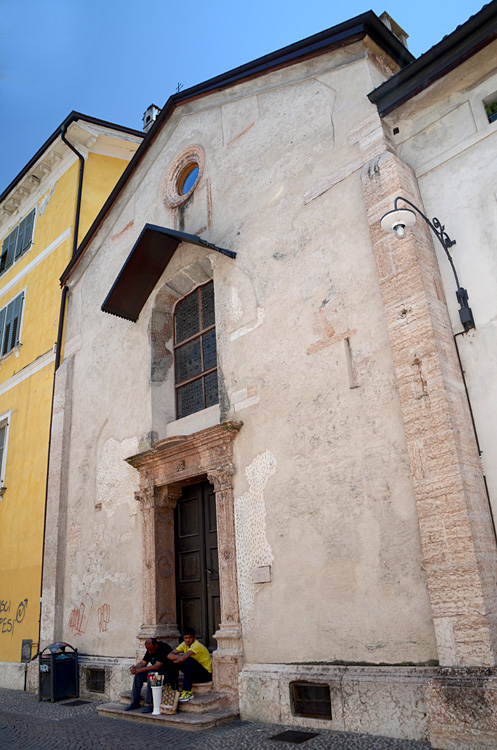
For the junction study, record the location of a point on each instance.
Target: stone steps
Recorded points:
(182, 720)
(198, 688)
(207, 709)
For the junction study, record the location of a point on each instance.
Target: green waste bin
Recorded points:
(59, 674)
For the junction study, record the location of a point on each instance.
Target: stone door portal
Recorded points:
(171, 473)
(197, 569)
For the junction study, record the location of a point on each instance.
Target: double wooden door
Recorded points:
(197, 570)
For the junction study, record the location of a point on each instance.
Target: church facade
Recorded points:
(262, 425)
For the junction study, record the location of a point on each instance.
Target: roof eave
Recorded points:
(72, 117)
(468, 39)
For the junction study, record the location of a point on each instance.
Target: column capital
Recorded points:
(222, 477)
(165, 496)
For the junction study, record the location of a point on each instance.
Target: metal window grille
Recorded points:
(195, 353)
(95, 680)
(311, 700)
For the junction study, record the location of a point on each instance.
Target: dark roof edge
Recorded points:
(72, 117)
(464, 42)
(355, 28)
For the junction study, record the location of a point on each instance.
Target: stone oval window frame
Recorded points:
(193, 156)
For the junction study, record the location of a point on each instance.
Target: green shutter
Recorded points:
(8, 328)
(8, 249)
(16, 320)
(12, 324)
(25, 234)
(2, 447)
(2, 321)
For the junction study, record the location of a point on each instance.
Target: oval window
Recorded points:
(188, 179)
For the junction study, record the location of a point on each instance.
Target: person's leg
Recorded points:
(171, 672)
(138, 681)
(194, 672)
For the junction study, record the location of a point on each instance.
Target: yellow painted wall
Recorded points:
(23, 505)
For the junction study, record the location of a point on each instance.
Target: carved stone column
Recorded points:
(159, 583)
(228, 656)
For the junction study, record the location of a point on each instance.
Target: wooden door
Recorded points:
(197, 571)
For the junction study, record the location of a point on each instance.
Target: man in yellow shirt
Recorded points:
(193, 659)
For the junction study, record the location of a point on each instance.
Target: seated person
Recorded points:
(193, 659)
(154, 660)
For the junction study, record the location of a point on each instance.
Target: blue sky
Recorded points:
(112, 58)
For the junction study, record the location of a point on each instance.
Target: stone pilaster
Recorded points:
(159, 582)
(51, 624)
(458, 546)
(228, 657)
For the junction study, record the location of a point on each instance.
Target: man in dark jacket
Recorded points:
(153, 661)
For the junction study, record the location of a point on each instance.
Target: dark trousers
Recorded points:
(192, 672)
(138, 681)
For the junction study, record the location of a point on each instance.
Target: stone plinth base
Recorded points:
(462, 709)
(117, 676)
(454, 709)
(12, 675)
(387, 701)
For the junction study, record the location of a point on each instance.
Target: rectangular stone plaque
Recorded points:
(261, 574)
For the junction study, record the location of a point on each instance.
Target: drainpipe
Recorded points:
(475, 432)
(58, 348)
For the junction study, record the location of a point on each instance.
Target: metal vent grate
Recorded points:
(95, 680)
(311, 700)
(293, 736)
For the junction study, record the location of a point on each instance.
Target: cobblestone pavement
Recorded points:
(27, 724)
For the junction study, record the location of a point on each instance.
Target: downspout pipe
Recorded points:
(58, 349)
(80, 188)
(461, 333)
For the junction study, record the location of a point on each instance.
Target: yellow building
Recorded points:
(51, 203)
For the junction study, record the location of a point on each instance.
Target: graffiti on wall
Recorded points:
(78, 619)
(10, 617)
(103, 615)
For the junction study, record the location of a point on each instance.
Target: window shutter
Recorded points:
(2, 446)
(8, 328)
(2, 321)
(16, 320)
(25, 234)
(12, 324)
(8, 249)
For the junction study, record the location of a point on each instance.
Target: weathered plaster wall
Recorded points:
(322, 484)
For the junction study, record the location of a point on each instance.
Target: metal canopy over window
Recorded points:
(145, 265)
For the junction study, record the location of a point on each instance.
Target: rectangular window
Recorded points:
(95, 680)
(4, 439)
(195, 352)
(311, 700)
(10, 324)
(17, 242)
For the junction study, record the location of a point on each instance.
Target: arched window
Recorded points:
(195, 357)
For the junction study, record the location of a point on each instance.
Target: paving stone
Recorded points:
(29, 724)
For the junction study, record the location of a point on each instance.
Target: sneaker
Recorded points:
(147, 710)
(185, 696)
(132, 707)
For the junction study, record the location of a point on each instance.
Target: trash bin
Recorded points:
(59, 675)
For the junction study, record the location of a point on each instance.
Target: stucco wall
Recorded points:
(322, 484)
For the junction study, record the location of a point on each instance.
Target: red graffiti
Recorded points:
(78, 619)
(103, 615)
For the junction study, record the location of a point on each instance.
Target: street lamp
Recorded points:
(399, 219)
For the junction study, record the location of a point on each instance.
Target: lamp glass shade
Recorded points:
(402, 216)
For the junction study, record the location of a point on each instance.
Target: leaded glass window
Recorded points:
(195, 356)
